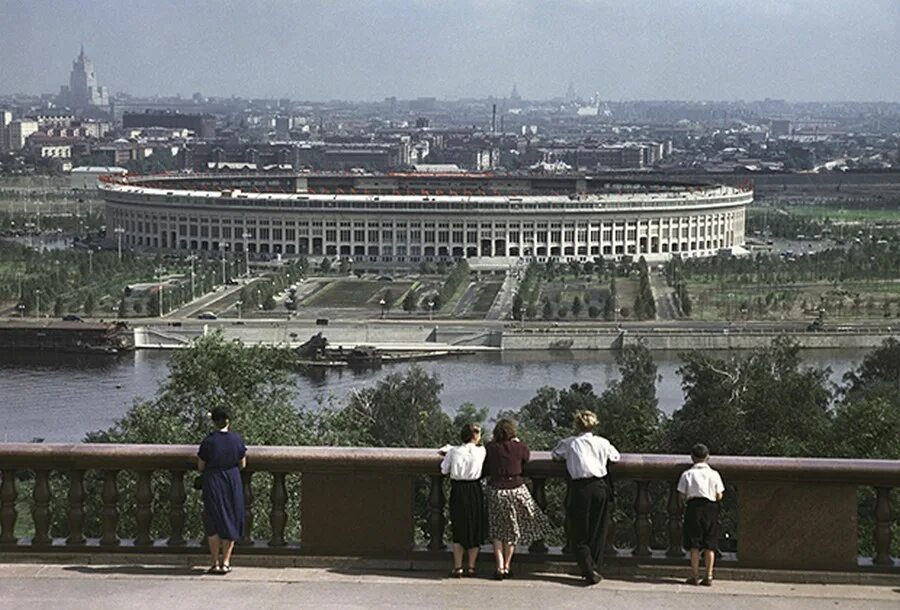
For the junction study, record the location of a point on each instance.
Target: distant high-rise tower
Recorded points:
(571, 96)
(514, 96)
(83, 90)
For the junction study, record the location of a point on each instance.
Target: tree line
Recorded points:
(765, 401)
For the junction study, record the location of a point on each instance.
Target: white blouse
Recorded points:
(464, 462)
(585, 455)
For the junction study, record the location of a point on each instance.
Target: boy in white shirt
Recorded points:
(702, 488)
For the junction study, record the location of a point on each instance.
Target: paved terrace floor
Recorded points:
(38, 586)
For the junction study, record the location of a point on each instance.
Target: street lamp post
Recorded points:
(382, 302)
(91, 262)
(238, 304)
(430, 308)
(192, 258)
(37, 294)
(224, 254)
(118, 231)
(159, 272)
(246, 236)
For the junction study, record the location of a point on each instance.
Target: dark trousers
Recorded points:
(588, 521)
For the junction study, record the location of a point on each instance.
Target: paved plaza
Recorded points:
(37, 586)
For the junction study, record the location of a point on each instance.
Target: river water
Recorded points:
(60, 397)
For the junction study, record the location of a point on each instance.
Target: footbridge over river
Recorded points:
(104, 525)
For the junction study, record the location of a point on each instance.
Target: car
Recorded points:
(208, 315)
(72, 318)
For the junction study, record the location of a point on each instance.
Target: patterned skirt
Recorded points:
(514, 516)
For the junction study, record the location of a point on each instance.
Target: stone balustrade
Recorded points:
(792, 513)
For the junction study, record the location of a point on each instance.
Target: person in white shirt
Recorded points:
(468, 514)
(702, 488)
(589, 494)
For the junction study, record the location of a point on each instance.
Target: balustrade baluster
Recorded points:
(642, 527)
(436, 513)
(143, 498)
(8, 495)
(674, 522)
(177, 496)
(278, 516)
(247, 537)
(41, 511)
(76, 508)
(539, 492)
(883, 523)
(109, 516)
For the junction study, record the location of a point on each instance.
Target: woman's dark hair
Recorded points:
(504, 430)
(469, 431)
(219, 416)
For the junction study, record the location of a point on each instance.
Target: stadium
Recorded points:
(397, 219)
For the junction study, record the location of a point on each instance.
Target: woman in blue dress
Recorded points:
(221, 457)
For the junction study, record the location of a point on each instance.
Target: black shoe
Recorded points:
(508, 574)
(498, 575)
(593, 578)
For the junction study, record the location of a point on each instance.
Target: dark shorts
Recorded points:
(701, 524)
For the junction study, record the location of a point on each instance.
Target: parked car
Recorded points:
(72, 318)
(208, 315)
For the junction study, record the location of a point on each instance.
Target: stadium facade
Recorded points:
(408, 218)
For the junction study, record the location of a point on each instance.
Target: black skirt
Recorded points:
(468, 514)
(701, 524)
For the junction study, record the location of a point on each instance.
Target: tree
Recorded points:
(402, 410)
(594, 311)
(762, 403)
(58, 307)
(517, 307)
(325, 265)
(576, 306)
(123, 308)
(252, 382)
(269, 302)
(137, 307)
(409, 301)
(628, 408)
(609, 307)
(547, 311)
(345, 265)
(90, 303)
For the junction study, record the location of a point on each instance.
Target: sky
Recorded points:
(799, 50)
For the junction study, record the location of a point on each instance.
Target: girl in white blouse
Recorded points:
(468, 516)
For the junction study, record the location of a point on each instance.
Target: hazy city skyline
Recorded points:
(717, 50)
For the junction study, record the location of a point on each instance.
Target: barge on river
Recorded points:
(62, 336)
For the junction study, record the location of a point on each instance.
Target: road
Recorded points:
(662, 294)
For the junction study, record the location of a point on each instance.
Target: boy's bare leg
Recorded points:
(695, 563)
(709, 559)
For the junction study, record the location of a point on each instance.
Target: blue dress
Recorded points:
(223, 494)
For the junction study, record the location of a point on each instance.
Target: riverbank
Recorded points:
(451, 336)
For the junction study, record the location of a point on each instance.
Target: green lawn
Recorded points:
(345, 293)
(849, 300)
(487, 292)
(846, 213)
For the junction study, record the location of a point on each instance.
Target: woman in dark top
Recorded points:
(220, 458)
(513, 515)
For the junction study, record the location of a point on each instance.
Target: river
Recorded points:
(60, 397)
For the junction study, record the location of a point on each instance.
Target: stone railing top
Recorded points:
(647, 466)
